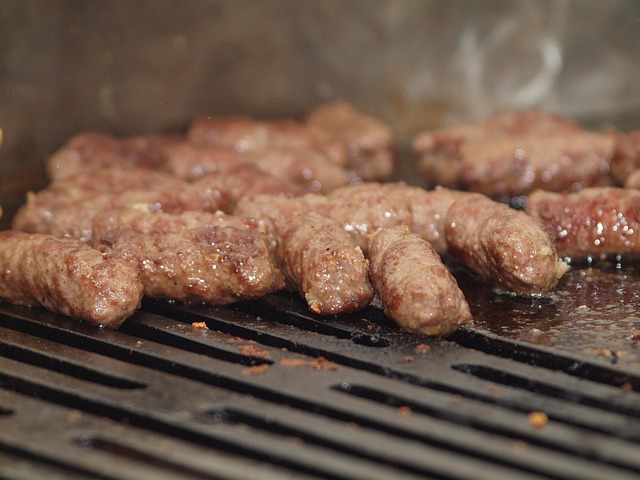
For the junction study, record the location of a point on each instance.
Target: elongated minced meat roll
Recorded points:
(67, 276)
(415, 287)
(505, 247)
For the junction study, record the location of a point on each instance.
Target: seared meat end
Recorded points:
(415, 287)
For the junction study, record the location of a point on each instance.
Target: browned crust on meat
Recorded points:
(143, 220)
(594, 222)
(428, 210)
(216, 264)
(68, 277)
(362, 209)
(626, 156)
(322, 262)
(95, 150)
(510, 166)
(369, 142)
(76, 220)
(415, 287)
(35, 215)
(440, 149)
(309, 169)
(504, 246)
(248, 135)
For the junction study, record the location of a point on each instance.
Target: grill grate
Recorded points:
(271, 391)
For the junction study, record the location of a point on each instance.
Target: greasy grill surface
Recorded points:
(272, 391)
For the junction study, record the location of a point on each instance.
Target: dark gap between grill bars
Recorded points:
(538, 357)
(516, 381)
(148, 423)
(81, 372)
(416, 407)
(98, 443)
(232, 416)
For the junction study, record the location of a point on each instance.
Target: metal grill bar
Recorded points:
(270, 388)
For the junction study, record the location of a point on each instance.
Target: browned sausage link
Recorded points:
(511, 166)
(369, 142)
(216, 264)
(503, 246)
(416, 289)
(428, 210)
(362, 209)
(323, 263)
(94, 150)
(144, 220)
(626, 157)
(76, 220)
(594, 222)
(40, 207)
(247, 135)
(67, 277)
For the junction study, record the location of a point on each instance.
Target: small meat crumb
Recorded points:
(538, 419)
(319, 363)
(202, 325)
(256, 370)
(253, 351)
(408, 358)
(404, 410)
(422, 348)
(626, 387)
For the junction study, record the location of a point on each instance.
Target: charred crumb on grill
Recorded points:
(319, 363)
(255, 370)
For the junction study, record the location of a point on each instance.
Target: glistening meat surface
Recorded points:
(216, 264)
(368, 141)
(68, 277)
(503, 246)
(322, 262)
(591, 223)
(415, 287)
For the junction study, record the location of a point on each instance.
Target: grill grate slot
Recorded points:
(505, 378)
(53, 363)
(539, 357)
(129, 452)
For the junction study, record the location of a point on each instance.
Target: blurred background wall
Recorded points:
(146, 66)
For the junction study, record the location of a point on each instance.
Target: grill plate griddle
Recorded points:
(272, 391)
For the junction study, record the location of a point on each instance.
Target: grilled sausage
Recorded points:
(368, 141)
(415, 287)
(322, 262)
(502, 245)
(68, 277)
(319, 259)
(592, 223)
(626, 158)
(89, 151)
(217, 264)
